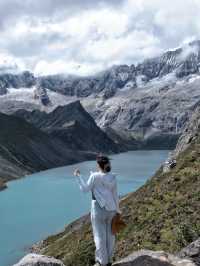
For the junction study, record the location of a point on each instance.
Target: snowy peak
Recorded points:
(180, 62)
(183, 61)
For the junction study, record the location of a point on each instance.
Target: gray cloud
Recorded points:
(13, 10)
(88, 36)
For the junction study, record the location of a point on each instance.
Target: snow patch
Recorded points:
(141, 80)
(129, 85)
(28, 95)
(193, 78)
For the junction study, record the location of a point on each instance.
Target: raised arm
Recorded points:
(84, 186)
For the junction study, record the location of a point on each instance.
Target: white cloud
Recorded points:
(10, 64)
(65, 67)
(96, 37)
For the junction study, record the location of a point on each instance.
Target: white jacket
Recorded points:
(104, 188)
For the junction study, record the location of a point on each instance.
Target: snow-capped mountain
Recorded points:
(182, 62)
(153, 98)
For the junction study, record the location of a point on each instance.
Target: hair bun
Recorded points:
(103, 158)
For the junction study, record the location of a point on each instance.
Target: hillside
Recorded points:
(25, 149)
(164, 214)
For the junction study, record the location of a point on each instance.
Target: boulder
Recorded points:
(39, 260)
(153, 258)
(192, 251)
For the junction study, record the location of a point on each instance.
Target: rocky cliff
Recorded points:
(190, 133)
(164, 214)
(74, 126)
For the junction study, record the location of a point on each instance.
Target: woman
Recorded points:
(105, 204)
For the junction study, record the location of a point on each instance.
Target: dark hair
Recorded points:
(104, 163)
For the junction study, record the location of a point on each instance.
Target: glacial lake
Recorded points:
(44, 203)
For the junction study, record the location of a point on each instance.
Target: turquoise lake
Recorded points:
(42, 204)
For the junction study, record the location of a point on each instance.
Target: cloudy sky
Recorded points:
(86, 36)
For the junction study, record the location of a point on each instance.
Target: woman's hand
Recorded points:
(77, 172)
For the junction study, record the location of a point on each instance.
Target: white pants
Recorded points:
(103, 237)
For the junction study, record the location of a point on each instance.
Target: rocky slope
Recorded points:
(192, 251)
(74, 126)
(164, 214)
(140, 258)
(190, 134)
(151, 101)
(26, 149)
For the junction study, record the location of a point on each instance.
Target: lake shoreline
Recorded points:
(3, 183)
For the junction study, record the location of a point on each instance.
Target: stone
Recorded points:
(192, 251)
(39, 260)
(41, 93)
(153, 258)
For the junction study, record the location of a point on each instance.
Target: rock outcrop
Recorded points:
(153, 258)
(190, 133)
(41, 94)
(192, 251)
(39, 260)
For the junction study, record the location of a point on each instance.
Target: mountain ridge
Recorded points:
(71, 123)
(184, 60)
(150, 101)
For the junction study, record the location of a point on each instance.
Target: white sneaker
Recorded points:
(97, 264)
